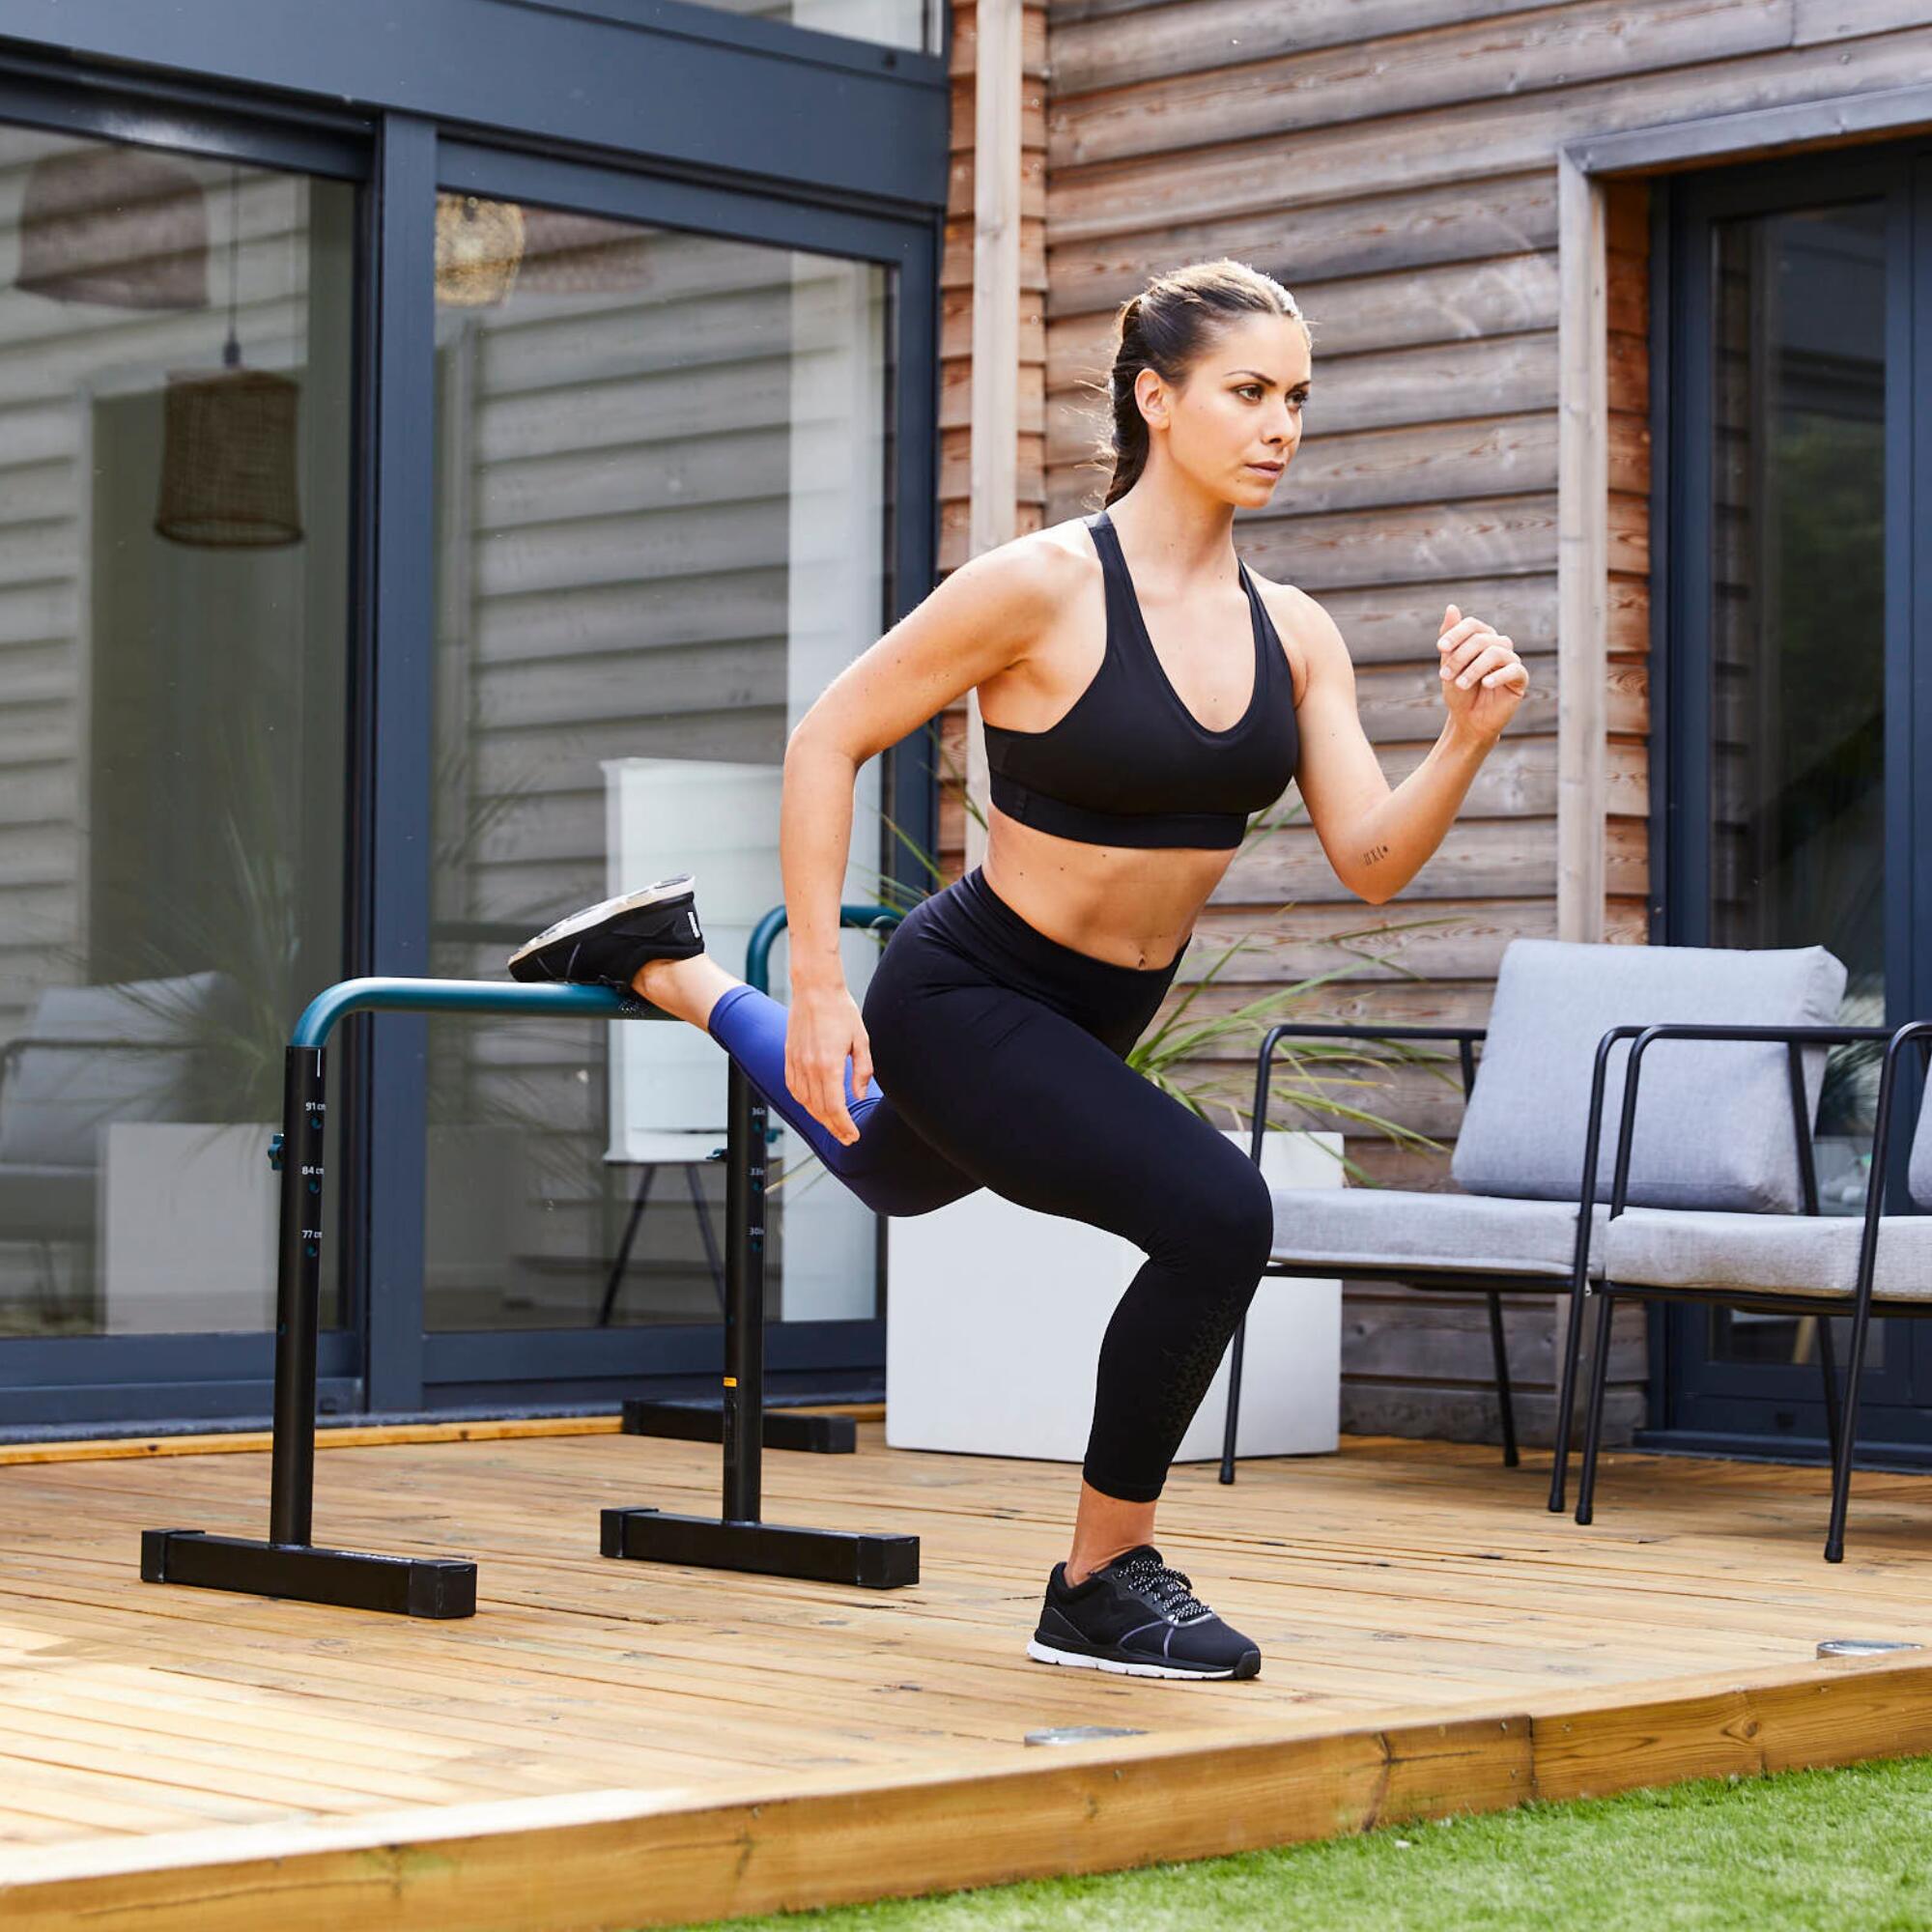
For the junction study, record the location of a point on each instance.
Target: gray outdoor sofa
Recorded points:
(1716, 1133)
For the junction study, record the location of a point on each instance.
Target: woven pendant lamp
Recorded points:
(228, 447)
(117, 226)
(582, 254)
(479, 247)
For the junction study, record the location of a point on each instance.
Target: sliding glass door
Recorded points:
(178, 408)
(664, 484)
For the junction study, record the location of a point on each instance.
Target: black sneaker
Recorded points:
(605, 944)
(1137, 1617)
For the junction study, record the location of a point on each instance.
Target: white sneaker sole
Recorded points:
(676, 887)
(1045, 1653)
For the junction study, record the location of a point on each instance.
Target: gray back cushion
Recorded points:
(58, 1097)
(1713, 1124)
(1918, 1176)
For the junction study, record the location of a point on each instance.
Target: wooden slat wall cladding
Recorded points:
(1395, 163)
(955, 348)
(1627, 602)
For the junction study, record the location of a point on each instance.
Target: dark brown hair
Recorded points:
(1167, 328)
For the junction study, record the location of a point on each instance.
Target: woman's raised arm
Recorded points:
(1379, 837)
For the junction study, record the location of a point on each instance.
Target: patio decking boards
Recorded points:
(618, 1745)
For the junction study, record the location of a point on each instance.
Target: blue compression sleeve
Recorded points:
(750, 1027)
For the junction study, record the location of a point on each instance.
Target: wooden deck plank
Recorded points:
(1433, 1640)
(608, 1747)
(630, 1673)
(445, 1776)
(1459, 1597)
(597, 1860)
(426, 1690)
(702, 1666)
(30, 1827)
(121, 1800)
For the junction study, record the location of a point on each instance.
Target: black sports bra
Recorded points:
(1129, 764)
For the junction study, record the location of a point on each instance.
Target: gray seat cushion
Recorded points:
(1391, 1230)
(1795, 1254)
(1714, 1117)
(1918, 1175)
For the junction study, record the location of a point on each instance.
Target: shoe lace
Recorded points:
(1171, 1590)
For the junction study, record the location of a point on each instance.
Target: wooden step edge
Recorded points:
(637, 1857)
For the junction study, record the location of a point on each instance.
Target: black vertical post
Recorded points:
(739, 1537)
(297, 1293)
(744, 1298)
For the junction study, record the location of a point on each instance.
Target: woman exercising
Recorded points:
(1142, 694)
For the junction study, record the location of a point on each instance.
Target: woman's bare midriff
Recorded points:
(1129, 906)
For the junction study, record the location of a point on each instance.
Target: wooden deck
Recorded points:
(616, 1745)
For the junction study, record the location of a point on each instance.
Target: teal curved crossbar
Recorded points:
(380, 993)
(758, 953)
(464, 996)
(376, 993)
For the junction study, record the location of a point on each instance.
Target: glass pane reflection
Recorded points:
(1797, 635)
(663, 531)
(175, 443)
(1743, 1335)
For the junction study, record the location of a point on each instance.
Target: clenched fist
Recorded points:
(1483, 679)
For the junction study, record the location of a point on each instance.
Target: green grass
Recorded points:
(1810, 1851)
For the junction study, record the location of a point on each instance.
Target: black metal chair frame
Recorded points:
(1465, 1038)
(1578, 1285)
(1840, 1411)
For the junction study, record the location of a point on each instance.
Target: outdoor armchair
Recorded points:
(1525, 1157)
(1791, 1262)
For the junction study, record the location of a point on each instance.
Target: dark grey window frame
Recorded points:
(833, 144)
(1699, 1406)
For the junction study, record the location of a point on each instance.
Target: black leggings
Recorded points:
(1000, 1056)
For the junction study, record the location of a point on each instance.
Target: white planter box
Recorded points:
(996, 1314)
